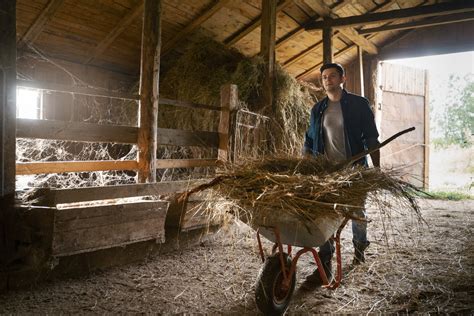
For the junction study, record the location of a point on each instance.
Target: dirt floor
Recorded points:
(421, 268)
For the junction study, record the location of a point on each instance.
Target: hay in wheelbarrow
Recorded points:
(307, 188)
(310, 188)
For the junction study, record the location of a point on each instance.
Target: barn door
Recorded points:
(402, 103)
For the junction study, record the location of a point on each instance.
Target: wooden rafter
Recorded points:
(350, 33)
(349, 47)
(315, 67)
(342, 51)
(253, 25)
(452, 18)
(37, 27)
(305, 52)
(416, 12)
(119, 29)
(319, 44)
(301, 29)
(210, 11)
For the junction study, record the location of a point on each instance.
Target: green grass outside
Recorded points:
(445, 195)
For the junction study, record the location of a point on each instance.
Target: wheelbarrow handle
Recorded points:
(371, 150)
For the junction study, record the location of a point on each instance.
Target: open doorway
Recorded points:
(450, 80)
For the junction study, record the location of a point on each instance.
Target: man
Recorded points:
(341, 126)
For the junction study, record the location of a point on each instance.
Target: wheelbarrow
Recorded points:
(277, 278)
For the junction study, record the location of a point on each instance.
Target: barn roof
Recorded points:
(107, 33)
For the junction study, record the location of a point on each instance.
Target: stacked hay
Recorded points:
(207, 65)
(307, 188)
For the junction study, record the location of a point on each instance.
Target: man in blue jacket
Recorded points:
(341, 126)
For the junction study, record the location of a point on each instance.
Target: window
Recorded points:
(29, 103)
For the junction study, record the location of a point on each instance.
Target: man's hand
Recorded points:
(375, 156)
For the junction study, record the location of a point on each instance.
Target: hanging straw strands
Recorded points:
(304, 189)
(308, 188)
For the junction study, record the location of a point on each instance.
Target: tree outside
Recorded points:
(454, 123)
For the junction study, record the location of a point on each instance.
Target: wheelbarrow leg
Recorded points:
(337, 239)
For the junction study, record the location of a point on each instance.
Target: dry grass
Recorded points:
(304, 189)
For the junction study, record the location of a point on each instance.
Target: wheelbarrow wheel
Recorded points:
(271, 296)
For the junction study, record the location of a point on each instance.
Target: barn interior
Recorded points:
(136, 101)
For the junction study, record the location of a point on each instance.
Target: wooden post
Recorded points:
(267, 49)
(426, 166)
(360, 53)
(229, 102)
(149, 93)
(327, 45)
(7, 101)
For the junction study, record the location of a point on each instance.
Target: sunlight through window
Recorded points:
(28, 103)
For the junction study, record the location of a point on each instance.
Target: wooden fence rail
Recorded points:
(89, 132)
(56, 87)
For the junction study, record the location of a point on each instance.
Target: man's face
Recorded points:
(332, 80)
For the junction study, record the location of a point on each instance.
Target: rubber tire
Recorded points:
(269, 276)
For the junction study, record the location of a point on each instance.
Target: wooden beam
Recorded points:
(317, 66)
(318, 45)
(7, 102)
(234, 38)
(149, 90)
(87, 132)
(301, 29)
(190, 105)
(360, 40)
(24, 168)
(36, 28)
(56, 87)
(210, 11)
(382, 6)
(289, 36)
(327, 45)
(267, 50)
(360, 61)
(303, 54)
(53, 197)
(75, 131)
(350, 33)
(444, 8)
(176, 137)
(185, 163)
(118, 29)
(448, 19)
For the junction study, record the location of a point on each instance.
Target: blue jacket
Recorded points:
(359, 126)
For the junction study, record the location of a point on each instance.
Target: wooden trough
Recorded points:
(89, 219)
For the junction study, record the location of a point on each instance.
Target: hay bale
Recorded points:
(207, 65)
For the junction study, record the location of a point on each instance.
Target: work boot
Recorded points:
(314, 280)
(359, 249)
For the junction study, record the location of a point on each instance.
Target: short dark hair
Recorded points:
(338, 67)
